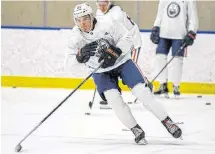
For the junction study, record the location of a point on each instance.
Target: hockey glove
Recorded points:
(88, 50)
(189, 38)
(108, 53)
(155, 35)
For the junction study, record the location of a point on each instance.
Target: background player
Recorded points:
(176, 24)
(106, 9)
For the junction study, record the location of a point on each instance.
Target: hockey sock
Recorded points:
(161, 61)
(177, 70)
(120, 108)
(144, 94)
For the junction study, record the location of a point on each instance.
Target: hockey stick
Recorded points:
(19, 147)
(91, 103)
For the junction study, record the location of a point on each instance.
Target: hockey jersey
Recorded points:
(114, 32)
(116, 13)
(176, 17)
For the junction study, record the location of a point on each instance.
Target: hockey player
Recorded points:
(106, 9)
(99, 41)
(175, 25)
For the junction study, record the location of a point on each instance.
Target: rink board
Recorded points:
(35, 58)
(47, 82)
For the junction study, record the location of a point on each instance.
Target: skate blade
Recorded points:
(177, 96)
(142, 142)
(105, 107)
(135, 102)
(125, 129)
(181, 138)
(179, 123)
(166, 95)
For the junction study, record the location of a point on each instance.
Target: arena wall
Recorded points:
(59, 13)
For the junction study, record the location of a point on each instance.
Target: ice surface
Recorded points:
(69, 130)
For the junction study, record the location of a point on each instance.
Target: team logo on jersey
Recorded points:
(173, 10)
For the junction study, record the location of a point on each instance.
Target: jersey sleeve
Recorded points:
(160, 13)
(193, 22)
(117, 14)
(129, 24)
(122, 38)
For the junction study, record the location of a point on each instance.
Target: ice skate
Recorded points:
(163, 90)
(176, 91)
(139, 135)
(104, 105)
(172, 128)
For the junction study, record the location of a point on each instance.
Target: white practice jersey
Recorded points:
(176, 17)
(116, 13)
(114, 32)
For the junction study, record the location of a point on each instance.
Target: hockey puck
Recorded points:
(199, 96)
(87, 113)
(208, 103)
(129, 102)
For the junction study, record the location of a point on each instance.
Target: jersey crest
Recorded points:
(173, 10)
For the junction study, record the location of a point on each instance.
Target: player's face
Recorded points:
(84, 23)
(103, 5)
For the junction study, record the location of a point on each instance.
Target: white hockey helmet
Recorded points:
(107, 1)
(81, 10)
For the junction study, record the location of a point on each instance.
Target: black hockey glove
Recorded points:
(155, 35)
(88, 50)
(189, 38)
(108, 53)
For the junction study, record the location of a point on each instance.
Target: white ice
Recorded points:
(70, 131)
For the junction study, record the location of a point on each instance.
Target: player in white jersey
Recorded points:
(94, 42)
(106, 9)
(176, 24)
